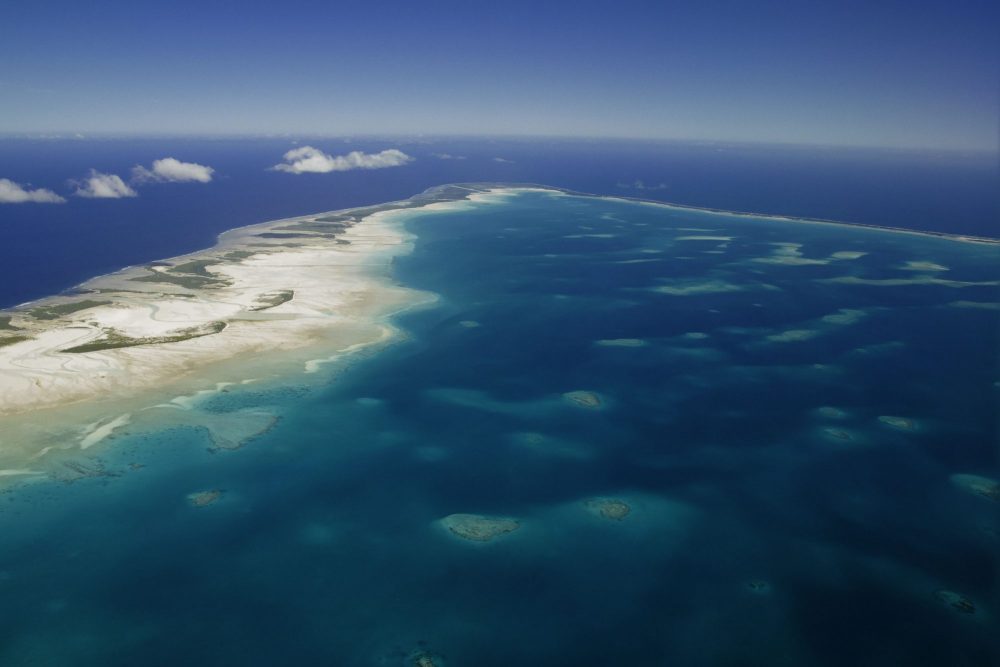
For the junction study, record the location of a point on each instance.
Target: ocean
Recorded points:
(704, 439)
(47, 249)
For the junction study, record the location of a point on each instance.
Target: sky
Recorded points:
(887, 73)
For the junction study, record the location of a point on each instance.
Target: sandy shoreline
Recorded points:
(298, 296)
(102, 348)
(122, 351)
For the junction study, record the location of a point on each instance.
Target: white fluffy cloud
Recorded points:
(172, 170)
(103, 186)
(14, 193)
(312, 160)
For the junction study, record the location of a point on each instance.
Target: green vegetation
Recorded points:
(190, 275)
(272, 299)
(10, 340)
(195, 267)
(324, 227)
(236, 255)
(289, 235)
(58, 310)
(113, 339)
(188, 282)
(5, 323)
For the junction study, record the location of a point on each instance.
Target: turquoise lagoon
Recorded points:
(799, 419)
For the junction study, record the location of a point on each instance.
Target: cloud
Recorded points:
(446, 156)
(504, 160)
(171, 170)
(14, 193)
(312, 160)
(103, 186)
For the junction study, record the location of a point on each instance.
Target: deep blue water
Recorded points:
(325, 547)
(47, 249)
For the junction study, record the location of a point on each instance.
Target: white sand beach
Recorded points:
(297, 293)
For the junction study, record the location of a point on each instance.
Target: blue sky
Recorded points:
(860, 73)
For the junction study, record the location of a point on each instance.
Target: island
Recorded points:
(306, 290)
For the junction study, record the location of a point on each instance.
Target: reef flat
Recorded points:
(478, 528)
(264, 296)
(606, 432)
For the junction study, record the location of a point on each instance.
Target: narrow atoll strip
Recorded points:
(318, 286)
(123, 343)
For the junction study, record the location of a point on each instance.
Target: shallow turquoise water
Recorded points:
(763, 529)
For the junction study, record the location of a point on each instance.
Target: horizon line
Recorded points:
(76, 135)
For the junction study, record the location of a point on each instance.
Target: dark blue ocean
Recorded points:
(800, 419)
(46, 248)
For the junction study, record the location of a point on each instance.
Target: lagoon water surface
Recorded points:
(624, 434)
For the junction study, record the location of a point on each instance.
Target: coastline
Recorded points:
(361, 241)
(461, 191)
(140, 346)
(296, 296)
(964, 238)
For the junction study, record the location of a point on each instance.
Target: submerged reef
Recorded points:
(479, 528)
(423, 659)
(608, 508)
(899, 423)
(758, 586)
(956, 602)
(584, 399)
(204, 498)
(622, 342)
(983, 487)
(838, 434)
